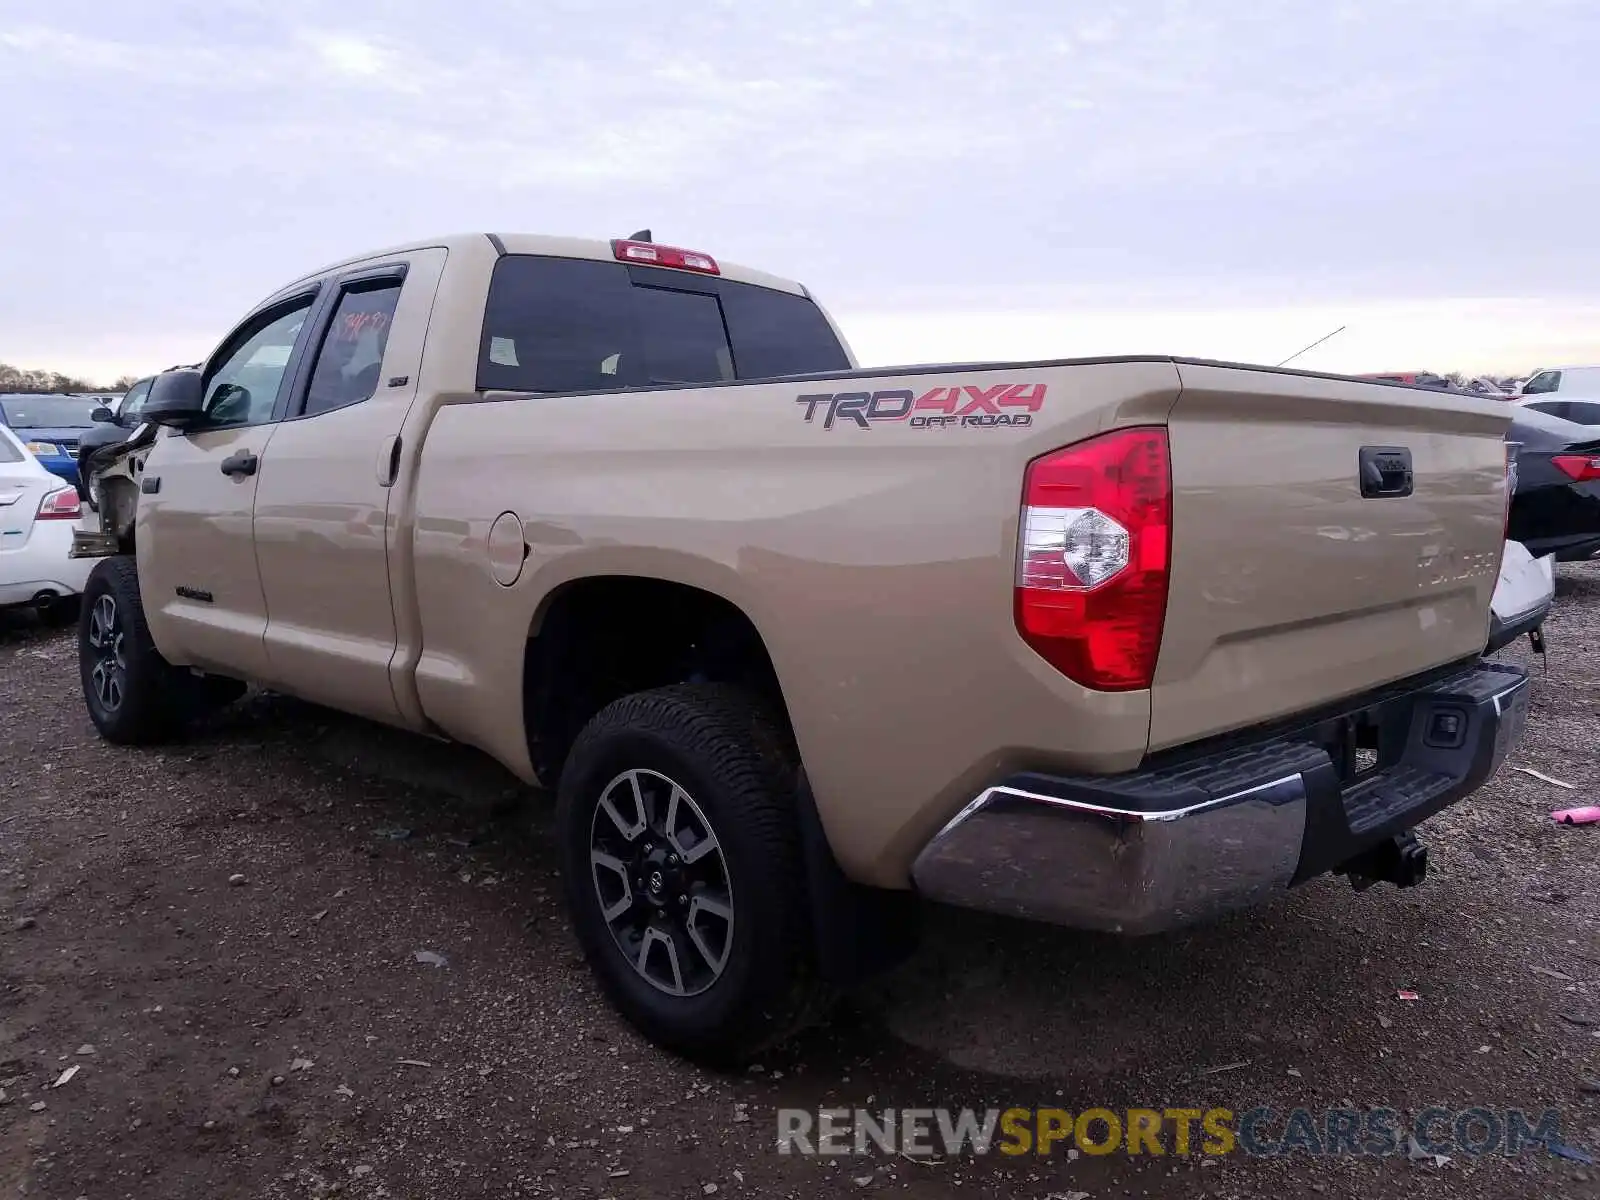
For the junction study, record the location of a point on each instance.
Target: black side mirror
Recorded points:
(176, 399)
(101, 415)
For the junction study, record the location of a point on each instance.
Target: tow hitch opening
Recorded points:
(1401, 860)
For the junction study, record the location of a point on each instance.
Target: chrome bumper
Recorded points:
(1174, 845)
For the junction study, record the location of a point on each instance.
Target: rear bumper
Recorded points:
(1522, 596)
(42, 566)
(1503, 632)
(1191, 836)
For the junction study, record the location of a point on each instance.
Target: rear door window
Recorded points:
(350, 360)
(1582, 413)
(563, 325)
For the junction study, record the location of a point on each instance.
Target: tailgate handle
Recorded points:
(1385, 472)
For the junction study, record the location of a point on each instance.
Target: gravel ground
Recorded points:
(222, 938)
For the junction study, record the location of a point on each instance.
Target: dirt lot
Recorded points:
(276, 1035)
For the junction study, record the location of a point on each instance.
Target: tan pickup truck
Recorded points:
(1119, 644)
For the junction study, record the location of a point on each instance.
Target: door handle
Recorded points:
(239, 463)
(389, 461)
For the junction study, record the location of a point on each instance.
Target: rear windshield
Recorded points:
(48, 412)
(10, 452)
(570, 324)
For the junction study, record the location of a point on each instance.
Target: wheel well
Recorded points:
(603, 638)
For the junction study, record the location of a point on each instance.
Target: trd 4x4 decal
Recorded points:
(960, 406)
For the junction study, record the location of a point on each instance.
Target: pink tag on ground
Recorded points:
(1577, 816)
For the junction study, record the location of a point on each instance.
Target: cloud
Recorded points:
(902, 156)
(42, 44)
(348, 54)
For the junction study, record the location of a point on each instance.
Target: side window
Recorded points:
(1551, 408)
(244, 387)
(134, 400)
(350, 360)
(1544, 381)
(1583, 414)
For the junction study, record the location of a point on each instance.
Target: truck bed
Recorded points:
(877, 557)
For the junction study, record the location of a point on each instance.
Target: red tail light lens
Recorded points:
(1092, 562)
(652, 255)
(1581, 467)
(60, 506)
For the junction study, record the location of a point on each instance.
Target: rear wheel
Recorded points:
(683, 871)
(134, 696)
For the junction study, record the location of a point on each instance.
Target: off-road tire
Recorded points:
(155, 700)
(720, 746)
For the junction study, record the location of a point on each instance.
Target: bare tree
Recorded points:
(19, 379)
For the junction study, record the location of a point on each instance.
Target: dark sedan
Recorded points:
(1555, 506)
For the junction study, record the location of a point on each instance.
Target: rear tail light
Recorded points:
(650, 254)
(1581, 467)
(1092, 562)
(60, 506)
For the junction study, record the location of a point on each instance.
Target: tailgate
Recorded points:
(1290, 588)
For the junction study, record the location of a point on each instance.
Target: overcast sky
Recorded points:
(955, 179)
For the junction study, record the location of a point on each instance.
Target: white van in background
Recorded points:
(1582, 382)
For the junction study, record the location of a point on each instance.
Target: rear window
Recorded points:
(565, 324)
(10, 452)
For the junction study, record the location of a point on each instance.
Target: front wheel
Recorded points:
(134, 696)
(683, 871)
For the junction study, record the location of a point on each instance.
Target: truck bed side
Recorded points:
(876, 558)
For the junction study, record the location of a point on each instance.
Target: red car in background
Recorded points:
(1412, 378)
(1427, 379)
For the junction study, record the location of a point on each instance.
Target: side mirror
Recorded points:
(176, 399)
(101, 415)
